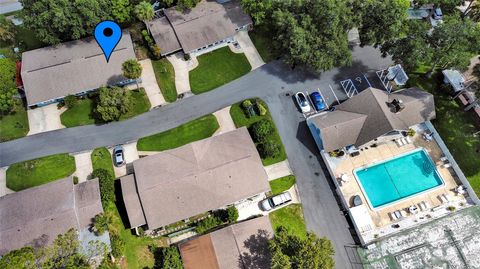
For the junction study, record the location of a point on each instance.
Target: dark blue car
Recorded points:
(317, 101)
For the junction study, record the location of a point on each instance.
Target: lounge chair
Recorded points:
(405, 142)
(409, 140)
(398, 214)
(444, 159)
(392, 216)
(443, 198)
(447, 165)
(399, 142)
(422, 206)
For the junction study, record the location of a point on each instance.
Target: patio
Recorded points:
(382, 221)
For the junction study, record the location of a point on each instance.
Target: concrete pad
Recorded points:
(83, 162)
(182, 67)
(249, 49)
(224, 120)
(131, 154)
(250, 208)
(44, 119)
(150, 84)
(3, 182)
(278, 170)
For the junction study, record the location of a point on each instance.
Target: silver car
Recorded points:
(275, 201)
(118, 158)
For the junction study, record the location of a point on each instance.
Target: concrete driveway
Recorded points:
(44, 119)
(182, 67)
(224, 120)
(130, 154)
(278, 170)
(249, 49)
(3, 182)
(150, 84)
(83, 164)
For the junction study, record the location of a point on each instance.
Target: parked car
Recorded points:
(437, 14)
(317, 100)
(275, 201)
(118, 158)
(302, 102)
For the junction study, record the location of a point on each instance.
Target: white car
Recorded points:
(303, 102)
(275, 201)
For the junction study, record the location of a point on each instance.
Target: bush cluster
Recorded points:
(268, 149)
(227, 215)
(262, 129)
(154, 49)
(117, 244)
(207, 224)
(70, 101)
(107, 185)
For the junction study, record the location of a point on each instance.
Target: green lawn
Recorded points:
(290, 217)
(39, 171)
(217, 68)
(456, 128)
(165, 75)
(263, 43)
(80, 114)
(14, 124)
(141, 104)
(282, 184)
(240, 119)
(102, 159)
(191, 131)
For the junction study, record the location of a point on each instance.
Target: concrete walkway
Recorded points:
(3, 182)
(83, 162)
(150, 84)
(278, 170)
(44, 119)
(224, 120)
(182, 67)
(249, 49)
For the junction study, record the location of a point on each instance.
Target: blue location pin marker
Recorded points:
(107, 34)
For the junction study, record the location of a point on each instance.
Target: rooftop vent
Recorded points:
(397, 105)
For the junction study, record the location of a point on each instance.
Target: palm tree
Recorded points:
(144, 11)
(132, 70)
(101, 223)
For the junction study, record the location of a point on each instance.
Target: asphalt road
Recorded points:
(272, 82)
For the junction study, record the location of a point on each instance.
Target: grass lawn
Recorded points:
(165, 75)
(240, 119)
(217, 68)
(186, 133)
(141, 104)
(39, 171)
(290, 217)
(102, 159)
(80, 114)
(14, 124)
(456, 127)
(282, 184)
(263, 43)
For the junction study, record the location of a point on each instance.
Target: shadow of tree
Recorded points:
(257, 255)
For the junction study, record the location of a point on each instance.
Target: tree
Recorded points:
(474, 11)
(232, 214)
(171, 258)
(7, 84)
(382, 20)
(262, 130)
(70, 101)
(448, 6)
(308, 32)
(291, 251)
(121, 10)
(63, 253)
(113, 103)
(144, 11)
(7, 34)
(207, 224)
(101, 222)
(269, 149)
(107, 185)
(54, 21)
(186, 4)
(132, 70)
(23, 258)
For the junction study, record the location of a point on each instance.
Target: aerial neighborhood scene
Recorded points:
(222, 134)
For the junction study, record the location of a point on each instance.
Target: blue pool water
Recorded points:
(398, 178)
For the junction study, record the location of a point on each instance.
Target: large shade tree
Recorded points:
(132, 70)
(144, 11)
(113, 103)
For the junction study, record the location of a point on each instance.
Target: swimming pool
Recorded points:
(398, 178)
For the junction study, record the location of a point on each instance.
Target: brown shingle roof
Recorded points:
(242, 245)
(37, 215)
(367, 116)
(205, 175)
(72, 67)
(164, 35)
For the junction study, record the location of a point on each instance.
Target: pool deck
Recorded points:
(381, 217)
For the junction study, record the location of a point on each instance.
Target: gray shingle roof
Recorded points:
(208, 174)
(242, 245)
(133, 206)
(164, 35)
(36, 216)
(72, 67)
(367, 116)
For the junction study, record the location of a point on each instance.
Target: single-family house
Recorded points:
(205, 175)
(371, 116)
(241, 245)
(72, 68)
(36, 216)
(208, 25)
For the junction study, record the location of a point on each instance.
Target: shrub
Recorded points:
(117, 244)
(101, 222)
(186, 57)
(411, 132)
(171, 258)
(156, 52)
(75, 180)
(60, 104)
(232, 213)
(70, 101)
(207, 224)
(107, 185)
(476, 70)
(261, 109)
(262, 129)
(246, 104)
(268, 149)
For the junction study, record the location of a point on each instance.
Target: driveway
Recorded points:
(3, 182)
(278, 170)
(224, 121)
(149, 83)
(182, 67)
(44, 119)
(130, 154)
(272, 82)
(249, 49)
(83, 164)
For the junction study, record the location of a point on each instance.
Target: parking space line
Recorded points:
(370, 85)
(334, 93)
(324, 100)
